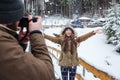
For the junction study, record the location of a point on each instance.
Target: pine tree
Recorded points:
(112, 26)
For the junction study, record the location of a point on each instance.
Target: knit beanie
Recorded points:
(11, 11)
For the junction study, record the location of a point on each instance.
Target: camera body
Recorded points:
(24, 22)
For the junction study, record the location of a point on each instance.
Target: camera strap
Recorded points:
(21, 40)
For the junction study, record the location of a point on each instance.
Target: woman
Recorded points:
(69, 58)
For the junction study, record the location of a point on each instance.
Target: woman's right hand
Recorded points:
(35, 25)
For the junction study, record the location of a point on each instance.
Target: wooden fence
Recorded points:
(98, 73)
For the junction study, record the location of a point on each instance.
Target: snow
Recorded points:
(46, 0)
(99, 54)
(112, 26)
(94, 51)
(84, 18)
(59, 20)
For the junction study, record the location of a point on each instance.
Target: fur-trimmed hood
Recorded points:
(69, 27)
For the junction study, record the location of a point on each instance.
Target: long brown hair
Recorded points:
(66, 39)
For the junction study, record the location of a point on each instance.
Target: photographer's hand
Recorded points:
(35, 25)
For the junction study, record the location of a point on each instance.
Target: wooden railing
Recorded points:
(78, 76)
(98, 73)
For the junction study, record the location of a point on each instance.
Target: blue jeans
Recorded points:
(71, 70)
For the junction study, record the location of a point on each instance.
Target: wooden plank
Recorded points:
(78, 76)
(100, 74)
(58, 51)
(54, 56)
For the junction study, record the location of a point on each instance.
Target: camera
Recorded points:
(24, 22)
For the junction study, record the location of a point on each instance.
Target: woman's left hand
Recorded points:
(98, 31)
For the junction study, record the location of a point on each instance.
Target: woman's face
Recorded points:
(68, 32)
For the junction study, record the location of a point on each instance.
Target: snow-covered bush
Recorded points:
(112, 26)
(118, 48)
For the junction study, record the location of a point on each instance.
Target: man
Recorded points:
(15, 63)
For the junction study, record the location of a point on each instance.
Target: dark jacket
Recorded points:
(15, 64)
(68, 58)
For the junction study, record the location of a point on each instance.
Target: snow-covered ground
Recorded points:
(55, 20)
(94, 51)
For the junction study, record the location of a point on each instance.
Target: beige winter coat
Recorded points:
(15, 64)
(66, 58)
